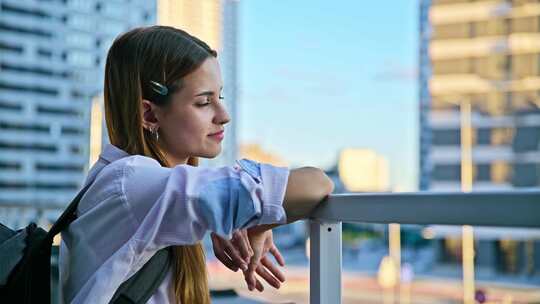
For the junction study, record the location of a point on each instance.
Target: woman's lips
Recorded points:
(218, 136)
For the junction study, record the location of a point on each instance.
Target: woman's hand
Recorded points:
(237, 253)
(262, 242)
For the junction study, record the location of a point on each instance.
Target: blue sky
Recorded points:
(318, 76)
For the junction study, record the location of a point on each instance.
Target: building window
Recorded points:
(20, 30)
(526, 175)
(41, 109)
(483, 136)
(9, 8)
(501, 136)
(10, 165)
(36, 128)
(29, 147)
(483, 172)
(58, 167)
(447, 172)
(72, 131)
(446, 137)
(8, 106)
(527, 139)
(500, 171)
(40, 71)
(44, 53)
(37, 185)
(29, 89)
(4, 46)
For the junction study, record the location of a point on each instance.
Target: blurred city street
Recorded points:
(363, 288)
(443, 285)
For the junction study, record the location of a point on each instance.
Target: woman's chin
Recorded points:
(211, 154)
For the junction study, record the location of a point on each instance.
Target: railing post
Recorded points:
(325, 262)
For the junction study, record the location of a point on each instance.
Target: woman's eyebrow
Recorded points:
(207, 93)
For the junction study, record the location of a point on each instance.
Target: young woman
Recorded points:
(163, 110)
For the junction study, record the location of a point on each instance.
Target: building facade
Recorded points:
(483, 56)
(486, 54)
(52, 56)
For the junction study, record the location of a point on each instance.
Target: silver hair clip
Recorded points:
(159, 88)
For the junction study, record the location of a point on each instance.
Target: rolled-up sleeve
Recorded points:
(177, 206)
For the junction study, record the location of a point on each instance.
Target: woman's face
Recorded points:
(187, 125)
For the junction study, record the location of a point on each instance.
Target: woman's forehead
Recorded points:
(201, 86)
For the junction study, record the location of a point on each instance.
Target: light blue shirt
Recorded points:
(136, 207)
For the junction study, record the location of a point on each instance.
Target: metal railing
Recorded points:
(520, 208)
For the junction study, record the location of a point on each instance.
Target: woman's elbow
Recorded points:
(322, 184)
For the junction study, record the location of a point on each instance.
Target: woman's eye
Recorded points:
(208, 101)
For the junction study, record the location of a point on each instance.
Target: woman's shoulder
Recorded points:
(132, 162)
(118, 169)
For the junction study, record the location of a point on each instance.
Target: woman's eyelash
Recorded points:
(209, 102)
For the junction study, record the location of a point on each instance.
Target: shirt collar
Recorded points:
(112, 153)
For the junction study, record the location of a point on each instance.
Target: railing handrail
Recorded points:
(517, 208)
(480, 208)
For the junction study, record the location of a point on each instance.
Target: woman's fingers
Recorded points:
(277, 255)
(268, 271)
(241, 241)
(256, 285)
(252, 267)
(227, 254)
(235, 255)
(220, 254)
(246, 239)
(259, 286)
(276, 272)
(268, 277)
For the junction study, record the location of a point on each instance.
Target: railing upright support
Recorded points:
(325, 262)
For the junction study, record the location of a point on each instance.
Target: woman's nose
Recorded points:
(222, 117)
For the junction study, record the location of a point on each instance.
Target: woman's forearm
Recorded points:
(306, 188)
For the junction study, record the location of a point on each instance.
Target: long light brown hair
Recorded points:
(166, 55)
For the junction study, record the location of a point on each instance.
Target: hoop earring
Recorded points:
(155, 132)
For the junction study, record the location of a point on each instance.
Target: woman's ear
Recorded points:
(149, 117)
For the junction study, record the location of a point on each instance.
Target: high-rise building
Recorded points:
(485, 54)
(363, 170)
(481, 58)
(257, 153)
(216, 23)
(52, 55)
(229, 67)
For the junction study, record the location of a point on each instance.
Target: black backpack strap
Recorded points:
(68, 216)
(142, 285)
